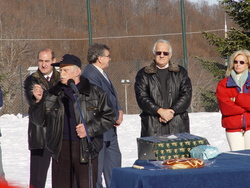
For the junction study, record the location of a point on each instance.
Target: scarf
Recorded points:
(240, 79)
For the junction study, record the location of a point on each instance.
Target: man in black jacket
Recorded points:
(66, 135)
(46, 76)
(163, 92)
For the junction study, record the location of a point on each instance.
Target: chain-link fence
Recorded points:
(14, 100)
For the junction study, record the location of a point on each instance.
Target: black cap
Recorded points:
(69, 59)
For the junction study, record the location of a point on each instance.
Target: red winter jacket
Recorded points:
(235, 115)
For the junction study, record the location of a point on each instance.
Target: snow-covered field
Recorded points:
(16, 154)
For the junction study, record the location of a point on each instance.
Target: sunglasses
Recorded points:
(164, 53)
(241, 62)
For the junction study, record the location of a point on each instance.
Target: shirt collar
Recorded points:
(98, 68)
(50, 75)
(167, 65)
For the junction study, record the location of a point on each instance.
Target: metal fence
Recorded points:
(14, 100)
(119, 73)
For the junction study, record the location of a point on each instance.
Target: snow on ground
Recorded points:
(16, 154)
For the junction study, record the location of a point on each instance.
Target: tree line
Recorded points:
(128, 27)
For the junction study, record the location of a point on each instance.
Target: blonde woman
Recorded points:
(233, 94)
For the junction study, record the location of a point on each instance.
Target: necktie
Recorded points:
(48, 78)
(105, 76)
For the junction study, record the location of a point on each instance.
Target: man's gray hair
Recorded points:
(75, 67)
(162, 41)
(96, 50)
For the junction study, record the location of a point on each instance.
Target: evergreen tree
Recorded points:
(236, 39)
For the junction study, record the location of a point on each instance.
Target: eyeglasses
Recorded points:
(241, 62)
(164, 53)
(107, 56)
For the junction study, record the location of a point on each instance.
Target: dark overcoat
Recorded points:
(149, 98)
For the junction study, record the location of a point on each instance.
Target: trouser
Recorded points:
(108, 159)
(68, 169)
(39, 165)
(238, 140)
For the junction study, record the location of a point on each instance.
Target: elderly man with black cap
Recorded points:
(66, 134)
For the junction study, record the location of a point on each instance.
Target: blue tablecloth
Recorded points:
(228, 170)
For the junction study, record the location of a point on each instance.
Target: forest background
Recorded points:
(129, 28)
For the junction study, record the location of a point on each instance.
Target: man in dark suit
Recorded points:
(46, 76)
(110, 155)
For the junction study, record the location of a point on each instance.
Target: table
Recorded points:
(230, 169)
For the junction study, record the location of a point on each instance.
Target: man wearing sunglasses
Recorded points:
(163, 92)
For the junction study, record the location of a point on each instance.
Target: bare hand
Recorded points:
(120, 119)
(80, 130)
(165, 115)
(161, 120)
(37, 92)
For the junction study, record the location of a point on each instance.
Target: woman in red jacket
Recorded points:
(233, 94)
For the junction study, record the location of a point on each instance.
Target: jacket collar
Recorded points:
(153, 69)
(231, 82)
(84, 87)
(38, 74)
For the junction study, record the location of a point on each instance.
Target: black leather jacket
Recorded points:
(149, 98)
(36, 135)
(98, 115)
